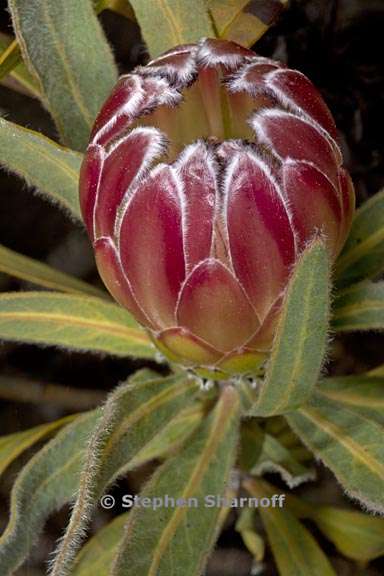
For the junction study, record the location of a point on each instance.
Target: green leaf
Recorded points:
(301, 336)
(245, 525)
(360, 307)
(348, 442)
(244, 21)
(363, 253)
(64, 46)
(9, 58)
(362, 391)
(31, 270)
(295, 550)
(25, 82)
(132, 418)
(183, 536)
(74, 322)
(49, 480)
(275, 457)
(356, 535)
(166, 23)
(43, 164)
(13, 445)
(95, 558)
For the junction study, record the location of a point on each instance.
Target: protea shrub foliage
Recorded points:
(223, 225)
(207, 173)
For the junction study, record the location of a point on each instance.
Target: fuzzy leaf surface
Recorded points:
(166, 23)
(349, 442)
(362, 391)
(295, 550)
(97, 555)
(43, 164)
(64, 46)
(363, 254)
(360, 307)
(201, 468)
(72, 321)
(134, 415)
(300, 342)
(25, 82)
(52, 477)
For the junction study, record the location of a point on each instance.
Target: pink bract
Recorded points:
(207, 172)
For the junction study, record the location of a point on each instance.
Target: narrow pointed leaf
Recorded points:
(56, 40)
(133, 416)
(12, 445)
(74, 322)
(300, 341)
(183, 536)
(363, 253)
(244, 21)
(52, 477)
(166, 23)
(348, 442)
(31, 270)
(295, 550)
(360, 307)
(25, 82)
(43, 164)
(97, 555)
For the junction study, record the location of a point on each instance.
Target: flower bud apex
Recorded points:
(207, 173)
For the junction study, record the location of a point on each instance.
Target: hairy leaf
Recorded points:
(132, 418)
(275, 457)
(362, 391)
(71, 321)
(360, 307)
(12, 445)
(26, 268)
(244, 21)
(295, 550)
(65, 47)
(50, 168)
(182, 536)
(95, 558)
(300, 341)
(348, 442)
(25, 82)
(166, 23)
(49, 480)
(363, 253)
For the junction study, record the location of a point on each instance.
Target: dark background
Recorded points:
(338, 44)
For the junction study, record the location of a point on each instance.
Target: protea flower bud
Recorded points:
(208, 171)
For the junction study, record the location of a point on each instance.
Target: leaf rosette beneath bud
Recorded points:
(207, 173)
